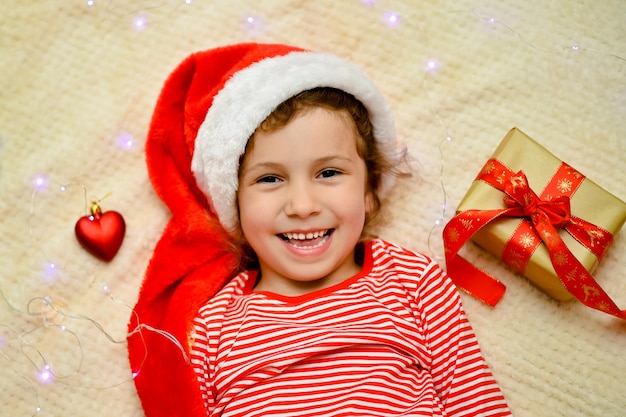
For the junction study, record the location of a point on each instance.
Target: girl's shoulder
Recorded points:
(414, 271)
(383, 250)
(238, 285)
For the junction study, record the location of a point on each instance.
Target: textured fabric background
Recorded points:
(78, 81)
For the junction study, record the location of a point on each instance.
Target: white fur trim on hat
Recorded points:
(251, 94)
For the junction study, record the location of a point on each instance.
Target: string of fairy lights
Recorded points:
(38, 315)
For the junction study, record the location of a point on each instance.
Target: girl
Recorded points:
(274, 160)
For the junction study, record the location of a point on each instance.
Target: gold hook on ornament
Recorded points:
(95, 209)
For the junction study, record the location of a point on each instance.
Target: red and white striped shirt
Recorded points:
(392, 340)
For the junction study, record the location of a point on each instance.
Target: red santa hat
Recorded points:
(208, 109)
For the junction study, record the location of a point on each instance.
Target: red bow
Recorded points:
(544, 215)
(521, 197)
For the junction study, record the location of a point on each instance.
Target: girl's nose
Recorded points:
(301, 201)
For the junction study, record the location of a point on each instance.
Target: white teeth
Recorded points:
(303, 236)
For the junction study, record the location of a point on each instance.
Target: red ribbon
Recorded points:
(543, 215)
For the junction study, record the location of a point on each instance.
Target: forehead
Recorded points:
(311, 131)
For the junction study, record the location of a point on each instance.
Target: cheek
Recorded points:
(352, 208)
(254, 211)
(243, 208)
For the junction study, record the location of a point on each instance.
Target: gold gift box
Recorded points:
(590, 202)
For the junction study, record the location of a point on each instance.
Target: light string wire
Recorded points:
(140, 14)
(40, 307)
(48, 303)
(440, 221)
(574, 47)
(13, 362)
(398, 22)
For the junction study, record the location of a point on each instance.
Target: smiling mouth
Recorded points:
(310, 240)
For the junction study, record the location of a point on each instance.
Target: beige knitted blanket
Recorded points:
(78, 83)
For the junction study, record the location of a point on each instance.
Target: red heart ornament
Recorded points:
(101, 234)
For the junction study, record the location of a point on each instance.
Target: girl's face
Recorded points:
(302, 202)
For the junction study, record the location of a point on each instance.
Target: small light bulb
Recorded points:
(392, 19)
(139, 23)
(125, 141)
(432, 65)
(40, 182)
(253, 22)
(45, 375)
(51, 270)
(575, 47)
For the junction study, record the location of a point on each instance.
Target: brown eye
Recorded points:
(329, 173)
(269, 179)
